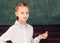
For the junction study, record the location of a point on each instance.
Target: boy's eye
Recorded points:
(27, 12)
(22, 13)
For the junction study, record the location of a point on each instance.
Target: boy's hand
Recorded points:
(44, 35)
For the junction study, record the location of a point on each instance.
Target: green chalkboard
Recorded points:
(42, 12)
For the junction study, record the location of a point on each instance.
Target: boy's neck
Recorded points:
(21, 22)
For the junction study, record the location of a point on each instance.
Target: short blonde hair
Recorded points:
(20, 4)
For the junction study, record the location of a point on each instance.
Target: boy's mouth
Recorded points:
(25, 17)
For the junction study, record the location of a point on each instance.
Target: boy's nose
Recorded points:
(25, 14)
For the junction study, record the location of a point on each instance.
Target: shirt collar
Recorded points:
(20, 25)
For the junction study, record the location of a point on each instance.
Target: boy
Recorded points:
(21, 32)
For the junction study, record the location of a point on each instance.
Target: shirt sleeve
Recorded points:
(6, 36)
(1, 41)
(36, 39)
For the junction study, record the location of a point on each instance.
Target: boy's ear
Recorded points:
(16, 14)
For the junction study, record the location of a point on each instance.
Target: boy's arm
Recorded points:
(1, 41)
(38, 38)
(6, 36)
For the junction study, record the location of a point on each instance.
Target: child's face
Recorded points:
(22, 13)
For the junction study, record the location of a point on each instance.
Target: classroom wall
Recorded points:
(42, 12)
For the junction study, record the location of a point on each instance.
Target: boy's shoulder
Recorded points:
(12, 26)
(30, 26)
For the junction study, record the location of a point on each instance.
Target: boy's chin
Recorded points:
(24, 20)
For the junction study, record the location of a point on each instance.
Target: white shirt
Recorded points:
(18, 33)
